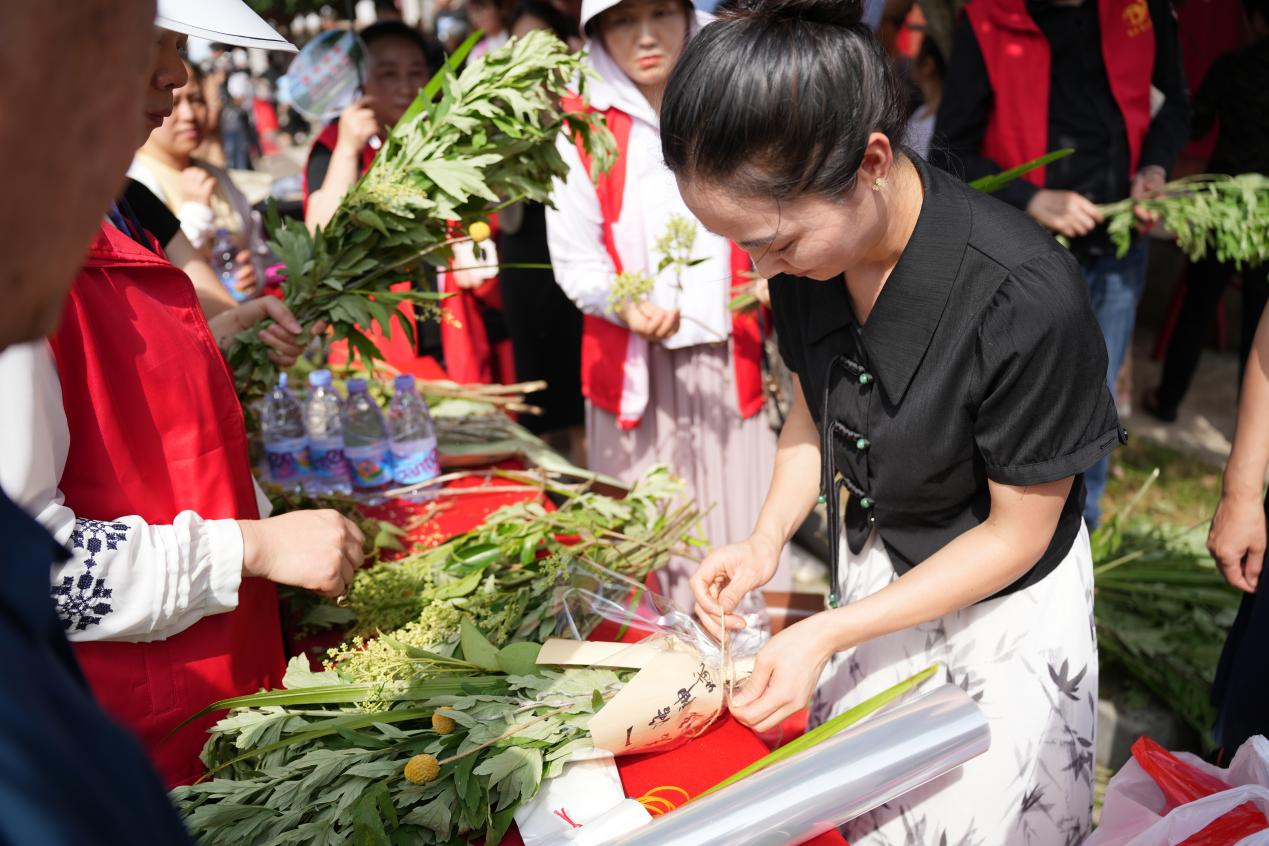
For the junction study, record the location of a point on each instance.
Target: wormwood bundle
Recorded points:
(490, 136)
(503, 573)
(1225, 216)
(463, 745)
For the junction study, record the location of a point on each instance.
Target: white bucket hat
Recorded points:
(592, 9)
(225, 21)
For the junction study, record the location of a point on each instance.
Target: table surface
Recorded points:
(724, 748)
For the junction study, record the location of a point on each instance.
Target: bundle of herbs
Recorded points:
(503, 573)
(488, 137)
(1210, 214)
(439, 758)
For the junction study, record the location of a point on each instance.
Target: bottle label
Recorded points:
(288, 462)
(371, 465)
(415, 461)
(328, 460)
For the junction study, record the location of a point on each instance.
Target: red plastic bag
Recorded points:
(1182, 784)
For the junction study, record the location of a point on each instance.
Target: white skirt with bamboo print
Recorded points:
(1030, 661)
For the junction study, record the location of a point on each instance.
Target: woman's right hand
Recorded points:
(726, 575)
(357, 125)
(316, 550)
(1237, 540)
(1065, 212)
(650, 322)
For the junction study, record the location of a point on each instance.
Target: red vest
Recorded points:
(1017, 57)
(604, 343)
(156, 429)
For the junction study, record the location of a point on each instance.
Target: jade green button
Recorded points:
(865, 378)
(862, 444)
(865, 503)
(823, 499)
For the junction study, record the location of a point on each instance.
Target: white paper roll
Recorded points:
(845, 776)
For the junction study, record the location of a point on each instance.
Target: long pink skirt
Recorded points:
(693, 425)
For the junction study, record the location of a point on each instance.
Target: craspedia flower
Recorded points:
(442, 723)
(422, 769)
(479, 231)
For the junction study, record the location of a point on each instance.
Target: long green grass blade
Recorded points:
(996, 181)
(821, 733)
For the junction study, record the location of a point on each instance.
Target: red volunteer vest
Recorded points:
(1017, 57)
(604, 342)
(156, 429)
(469, 355)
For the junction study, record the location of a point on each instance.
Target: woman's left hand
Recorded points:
(285, 337)
(785, 674)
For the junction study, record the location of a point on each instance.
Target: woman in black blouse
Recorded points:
(952, 386)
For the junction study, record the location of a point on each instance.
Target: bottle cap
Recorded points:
(357, 386)
(404, 382)
(282, 380)
(319, 378)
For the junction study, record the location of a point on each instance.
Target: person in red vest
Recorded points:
(1103, 77)
(474, 344)
(674, 378)
(127, 442)
(50, 726)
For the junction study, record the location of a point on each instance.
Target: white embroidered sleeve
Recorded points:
(126, 580)
(575, 236)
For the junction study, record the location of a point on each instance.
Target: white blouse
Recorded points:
(126, 580)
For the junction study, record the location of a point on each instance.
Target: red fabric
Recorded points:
(605, 342)
(156, 429)
(1018, 59)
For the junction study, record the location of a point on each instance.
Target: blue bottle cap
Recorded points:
(357, 386)
(283, 379)
(404, 382)
(320, 379)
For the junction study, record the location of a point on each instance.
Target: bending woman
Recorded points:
(951, 384)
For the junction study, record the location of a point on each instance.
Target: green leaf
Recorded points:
(367, 822)
(518, 658)
(299, 675)
(434, 815)
(994, 182)
(476, 647)
(458, 588)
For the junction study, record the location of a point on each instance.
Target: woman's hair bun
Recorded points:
(843, 13)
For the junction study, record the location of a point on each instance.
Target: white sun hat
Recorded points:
(225, 21)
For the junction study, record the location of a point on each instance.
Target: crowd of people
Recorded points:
(953, 367)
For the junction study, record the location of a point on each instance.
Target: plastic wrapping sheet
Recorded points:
(836, 781)
(685, 677)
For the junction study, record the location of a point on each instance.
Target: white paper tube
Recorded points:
(847, 775)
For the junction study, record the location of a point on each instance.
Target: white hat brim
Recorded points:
(225, 21)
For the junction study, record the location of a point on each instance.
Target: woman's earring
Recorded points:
(879, 183)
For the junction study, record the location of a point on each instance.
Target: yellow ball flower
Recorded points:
(442, 723)
(422, 769)
(479, 231)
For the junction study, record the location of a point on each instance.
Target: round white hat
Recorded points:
(225, 21)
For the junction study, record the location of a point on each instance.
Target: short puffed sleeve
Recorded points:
(1043, 409)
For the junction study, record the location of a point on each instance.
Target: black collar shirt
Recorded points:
(981, 359)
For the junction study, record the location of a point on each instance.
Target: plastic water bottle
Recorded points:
(415, 457)
(225, 262)
(324, 416)
(285, 438)
(366, 439)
